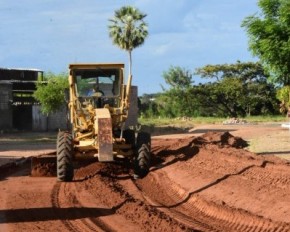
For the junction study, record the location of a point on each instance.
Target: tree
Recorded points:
(147, 105)
(178, 77)
(283, 94)
(175, 101)
(245, 71)
(128, 30)
(238, 89)
(269, 37)
(51, 94)
(220, 98)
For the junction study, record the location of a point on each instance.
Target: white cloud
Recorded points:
(161, 49)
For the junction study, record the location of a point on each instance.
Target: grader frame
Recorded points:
(98, 104)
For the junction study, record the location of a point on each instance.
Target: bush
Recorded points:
(51, 94)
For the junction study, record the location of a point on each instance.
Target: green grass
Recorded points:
(189, 122)
(266, 119)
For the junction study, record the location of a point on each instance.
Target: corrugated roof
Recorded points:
(20, 81)
(22, 69)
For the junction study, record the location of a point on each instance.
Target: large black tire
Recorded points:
(64, 153)
(143, 157)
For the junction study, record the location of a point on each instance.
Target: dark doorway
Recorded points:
(22, 117)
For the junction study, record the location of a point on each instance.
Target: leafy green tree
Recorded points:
(269, 37)
(283, 94)
(238, 89)
(128, 30)
(178, 77)
(163, 102)
(175, 102)
(243, 70)
(148, 106)
(51, 94)
(220, 98)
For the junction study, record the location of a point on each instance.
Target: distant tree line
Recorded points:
(233, 90)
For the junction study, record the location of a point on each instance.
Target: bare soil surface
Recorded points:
(205, 180)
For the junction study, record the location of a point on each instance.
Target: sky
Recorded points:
(51, 34)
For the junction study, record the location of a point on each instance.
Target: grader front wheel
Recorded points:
(65, 170)
(143, 158)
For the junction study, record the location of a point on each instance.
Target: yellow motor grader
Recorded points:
(98, 104)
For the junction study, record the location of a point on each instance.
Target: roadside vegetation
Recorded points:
(51, 92)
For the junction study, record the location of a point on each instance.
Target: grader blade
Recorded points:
(43, 165)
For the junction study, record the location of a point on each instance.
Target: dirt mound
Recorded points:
(224, 139)
(186, 148)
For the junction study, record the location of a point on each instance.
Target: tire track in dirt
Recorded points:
(278, 177)
(55, 204)
(197, 176)
(120, 194)
(196, 212)
(67, 191)
(254, 183)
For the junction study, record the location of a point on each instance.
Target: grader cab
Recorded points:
(99, 103)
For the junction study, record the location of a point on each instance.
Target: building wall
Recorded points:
(57, 121)
(39, 120)
(5, 107)
(52, 122)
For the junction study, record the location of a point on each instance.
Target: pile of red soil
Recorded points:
(224, 139)
(185, 148)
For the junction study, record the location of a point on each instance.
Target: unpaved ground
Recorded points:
(198, 182)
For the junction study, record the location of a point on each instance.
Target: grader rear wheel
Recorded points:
(143, 158)
(65, 170)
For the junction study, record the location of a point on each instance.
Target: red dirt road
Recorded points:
(206, 183)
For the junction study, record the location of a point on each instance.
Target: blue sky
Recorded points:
(50, 34)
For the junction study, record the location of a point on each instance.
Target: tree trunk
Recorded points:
(130, 62)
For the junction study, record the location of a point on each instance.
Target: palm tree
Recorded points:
(128, 30)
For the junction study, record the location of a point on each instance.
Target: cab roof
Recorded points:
(96, 65)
